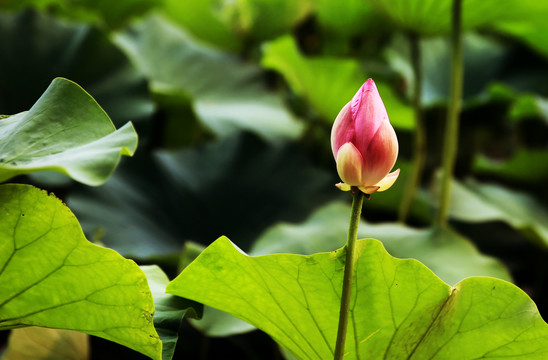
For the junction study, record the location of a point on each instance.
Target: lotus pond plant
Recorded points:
(272, 93)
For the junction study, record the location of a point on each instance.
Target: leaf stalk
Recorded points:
(350, 247)
(451, 136)
(419, 140)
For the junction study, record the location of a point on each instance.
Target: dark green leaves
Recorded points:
(525, 166)
(184, 195)
(227, 94)
(42, 48)
(476, 202)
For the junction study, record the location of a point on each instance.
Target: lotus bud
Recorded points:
(364, 143)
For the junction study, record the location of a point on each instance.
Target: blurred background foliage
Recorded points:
(233, 101)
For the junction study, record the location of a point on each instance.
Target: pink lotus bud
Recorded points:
(364, 143)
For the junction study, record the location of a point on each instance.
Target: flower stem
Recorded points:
(452, 126)
(419, 141)
(357, 203)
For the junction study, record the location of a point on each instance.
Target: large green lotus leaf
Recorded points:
(51, 276)
(475, 202)
(400, 309)
(524, 166)
(449, 255)
(170, 310)
(39, 343)
(42, 48)
(484, 60)
(228, 95)
(429, 17)
(229, 24)
(175, 196)
(65, 131)
(328, 83)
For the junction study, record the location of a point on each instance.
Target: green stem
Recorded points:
(357, 203)
(452, 127)
(419, 141)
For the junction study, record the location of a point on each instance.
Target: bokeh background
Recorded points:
(233, 101)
